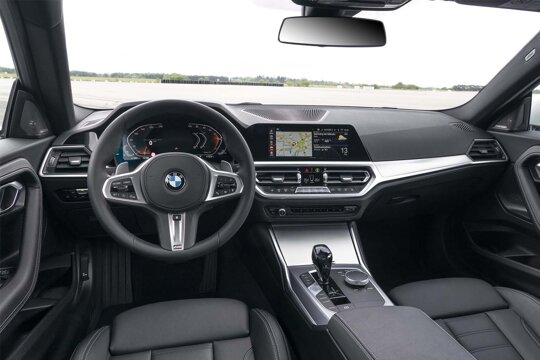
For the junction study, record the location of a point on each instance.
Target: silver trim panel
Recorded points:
(214, 174)
(60, 147)
(383, 171)
(177, 231)
(297, 241)
(18, 189)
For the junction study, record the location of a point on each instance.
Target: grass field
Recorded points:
(109, 94)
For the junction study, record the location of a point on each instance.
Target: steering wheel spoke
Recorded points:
(224, 184)
(125, 188)
(177, 231)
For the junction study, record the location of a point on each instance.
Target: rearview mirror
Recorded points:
(332, 31)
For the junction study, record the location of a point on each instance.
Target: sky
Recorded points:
(429, 43)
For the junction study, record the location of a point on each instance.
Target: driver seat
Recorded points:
(200, 329)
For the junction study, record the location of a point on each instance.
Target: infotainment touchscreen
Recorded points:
(291, 142)
(320, 143)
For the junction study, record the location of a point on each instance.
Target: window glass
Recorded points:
(439, 54)
(535, 108)
(7, 75)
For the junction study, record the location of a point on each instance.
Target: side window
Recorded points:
(7, 76)
(535, 108)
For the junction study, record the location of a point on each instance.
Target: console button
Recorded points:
(345, 307)
(307, 279)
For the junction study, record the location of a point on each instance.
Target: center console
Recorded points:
(325, 271)
(326, 276)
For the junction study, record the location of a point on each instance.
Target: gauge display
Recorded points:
(148, 140)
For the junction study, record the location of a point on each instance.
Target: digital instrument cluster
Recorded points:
(151, 139)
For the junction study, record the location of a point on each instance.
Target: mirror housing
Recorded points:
(354, 4)
(332, 31)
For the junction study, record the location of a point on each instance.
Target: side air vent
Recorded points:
(463, 126)
(309, 114)
(66, 161)
(278, 176)
(346, 176)
(486, 150)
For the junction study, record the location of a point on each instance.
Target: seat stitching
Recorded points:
(491, 347)
(274, 345)
(173, 348)
(447, 328)
(250, 350)
(504, 335)
(85, 348)
(452, 338)
(92, 341)
(460, 318)
(474, 332)
(529, 331)
(275, 330)
(534, 300)
(284, 338)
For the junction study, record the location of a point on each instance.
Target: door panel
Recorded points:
(502, 230)
(20, 254)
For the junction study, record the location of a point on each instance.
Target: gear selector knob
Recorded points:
(322, 259)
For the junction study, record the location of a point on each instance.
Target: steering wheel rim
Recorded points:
(100, 186)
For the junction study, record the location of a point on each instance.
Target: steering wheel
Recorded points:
(176, 188)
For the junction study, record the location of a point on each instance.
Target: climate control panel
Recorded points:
(295, 181)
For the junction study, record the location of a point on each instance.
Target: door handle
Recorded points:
(11, 197)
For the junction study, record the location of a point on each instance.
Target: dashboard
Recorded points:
(311, 162)
(171, 135)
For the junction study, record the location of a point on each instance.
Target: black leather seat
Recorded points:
(491, 323)
(202, 329)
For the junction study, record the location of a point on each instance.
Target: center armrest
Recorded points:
(393, 332)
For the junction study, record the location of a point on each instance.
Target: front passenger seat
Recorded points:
(201, 329)
(491, 323)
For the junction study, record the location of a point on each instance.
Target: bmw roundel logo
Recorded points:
(175, 181)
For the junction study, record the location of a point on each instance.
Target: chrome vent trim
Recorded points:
(486, 150)
(346, 176)
(277, 176)
(57, 162)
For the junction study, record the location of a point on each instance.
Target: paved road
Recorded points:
(109, 94)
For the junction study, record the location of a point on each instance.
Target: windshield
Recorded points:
(438, 55)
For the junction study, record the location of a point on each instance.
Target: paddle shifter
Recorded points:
(322, 259)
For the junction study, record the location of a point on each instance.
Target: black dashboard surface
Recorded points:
(375, 139)
(386, 134)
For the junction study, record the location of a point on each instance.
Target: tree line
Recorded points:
(247, 79)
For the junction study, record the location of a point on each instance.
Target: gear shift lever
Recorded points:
(322, 259)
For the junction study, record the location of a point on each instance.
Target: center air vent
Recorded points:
(66, 161)
(486, 150)
(346, 176)
(278, 176)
